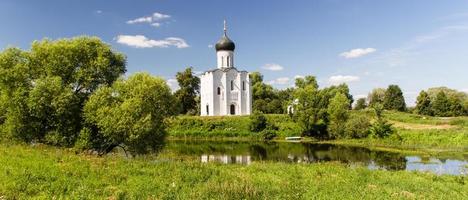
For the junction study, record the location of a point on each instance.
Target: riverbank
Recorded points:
(48, 172)
(414, 132)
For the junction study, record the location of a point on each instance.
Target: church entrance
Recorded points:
(233, 109)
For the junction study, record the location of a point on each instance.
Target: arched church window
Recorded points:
(219, 91)
(222, 60)
(207, 110)
(232, 85)
(243, 85)
(233, 109)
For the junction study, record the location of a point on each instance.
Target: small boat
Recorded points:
(294, 138)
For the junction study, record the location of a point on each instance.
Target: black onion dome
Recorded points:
(225, 44)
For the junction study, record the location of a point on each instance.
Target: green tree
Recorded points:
(256, 77)
(263, 95)
(393, 99)
(376, 97)
(275, 106)
(338, 115)
(465, 106)
(307, 111)
(306, 81)
(189, 89)
(129, 114)
(423, 104)
(52, 107)
(456, 106)
(441, 105)
(258, 122)
(49, 84)
(15, 81)
(83, 63)
(360, 104)
(285, 97)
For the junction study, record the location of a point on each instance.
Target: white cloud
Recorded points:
(355, 53)
(358, 96)
(464, 90)
(298, 76)
(156, 24)
(140, 41)
(172, 83)
(98, 11)
(336, 80)
(153, 20)
(279, 81)
(210, 46)
(273, 67)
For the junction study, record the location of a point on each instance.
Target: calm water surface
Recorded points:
(229, 152)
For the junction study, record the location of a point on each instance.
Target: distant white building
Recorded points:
(225, 90)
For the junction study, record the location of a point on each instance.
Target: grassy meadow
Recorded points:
(43, 172)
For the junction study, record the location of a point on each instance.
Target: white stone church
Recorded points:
(225, 90)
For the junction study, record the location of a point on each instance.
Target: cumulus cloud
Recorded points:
(210, 46)
(338, 79)
(154, 20)
(140, 41)
(298, 76)
(272, 67)
(172, 83)
(355, 53)
(279, 81)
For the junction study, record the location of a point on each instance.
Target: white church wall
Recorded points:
(232, 93)
(225, 59)
(218, 99)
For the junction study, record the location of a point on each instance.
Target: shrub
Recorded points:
(258, 122)
(268, 134)
(357, 127)
(380, 128)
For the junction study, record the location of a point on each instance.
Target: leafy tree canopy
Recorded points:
(393, 99)
(129, 114)
(360, 104)
(47, 86)
(189, 89)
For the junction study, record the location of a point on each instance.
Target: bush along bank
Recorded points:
(229, 126)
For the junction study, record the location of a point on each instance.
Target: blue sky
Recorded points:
(367, 44)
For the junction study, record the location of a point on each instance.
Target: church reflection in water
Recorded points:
(227, 159)
(249, 152)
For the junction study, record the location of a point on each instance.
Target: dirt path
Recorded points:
(421, 126)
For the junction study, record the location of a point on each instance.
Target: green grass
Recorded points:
(420, 119)
(226, 126)
(41, 172)
(454, 138)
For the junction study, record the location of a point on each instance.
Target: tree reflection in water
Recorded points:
(247, 152)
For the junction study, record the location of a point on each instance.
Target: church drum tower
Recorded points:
(225, 90)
